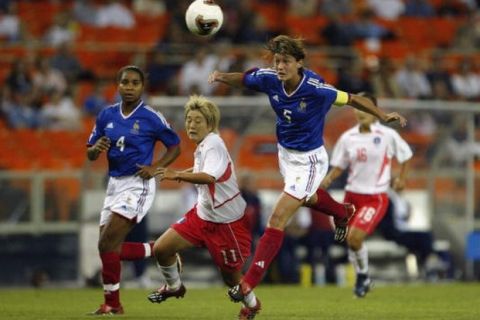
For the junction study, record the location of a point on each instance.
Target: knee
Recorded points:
(162, 254)
(354, 242)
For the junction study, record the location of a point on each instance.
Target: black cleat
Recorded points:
(362, 285)
(237, 293)
(164, 293)
(341, 225)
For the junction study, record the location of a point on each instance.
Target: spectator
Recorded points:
(451, 8)
(96, 101)
(439, 78)
(253, 211)
(412, 80)
(465, 81)
(18, 110)
(115, 14)
(336, 7)
(85, 12)
(303, 8)
(367, 28)
(337, 32)
(66, 61)
(161, 75)
(46, 78)
(352, 79)
(419, 8)
(19, 80)
(60, 113)
(382, 79)
(321, 236)
(152, 8)
(61, 31)
(467, 36)
(10, 25)
(387, 9)
(195, 71)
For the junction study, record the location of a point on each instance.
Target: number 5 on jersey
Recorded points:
(287, 114)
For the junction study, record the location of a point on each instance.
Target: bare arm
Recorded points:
(334, 173)
(366, 105)
(234, 79)
(102, 144)
(398, 183)
(148, 172)
(196, 178)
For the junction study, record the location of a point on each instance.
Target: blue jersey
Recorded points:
(300, 114)
(132, 137)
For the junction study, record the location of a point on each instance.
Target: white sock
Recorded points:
(359, 259)
(171, 275)
(250, 300)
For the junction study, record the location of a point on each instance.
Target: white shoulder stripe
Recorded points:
(266, 71)
(158, 114)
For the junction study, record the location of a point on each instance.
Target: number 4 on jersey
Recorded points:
(121, 143)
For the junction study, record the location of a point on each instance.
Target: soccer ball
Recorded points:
(204, 17)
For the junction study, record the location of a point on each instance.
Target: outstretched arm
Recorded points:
(234, 79)
(148, 172)
(333, 174)
(185, 175)
(366, 105)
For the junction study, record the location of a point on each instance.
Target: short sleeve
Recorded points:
(165, 133)
(98, 129)
(401, 149)
(216, 161)
(339, 155)
(257, 79)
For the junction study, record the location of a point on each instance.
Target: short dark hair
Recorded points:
(283, 44)
(131, 68)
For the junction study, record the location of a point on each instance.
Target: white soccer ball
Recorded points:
(204, 17)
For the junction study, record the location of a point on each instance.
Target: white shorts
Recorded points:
(302, 171)
(130, 197)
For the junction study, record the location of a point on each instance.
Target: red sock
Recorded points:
(111, 278)
(267, 249)
(135, 251)
(326, 204)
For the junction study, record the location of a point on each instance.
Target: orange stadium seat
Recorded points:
(273, 13)
(308, 28)
(258, 152)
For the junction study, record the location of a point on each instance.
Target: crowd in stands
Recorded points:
(59, 58)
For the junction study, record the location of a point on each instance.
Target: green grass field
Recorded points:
(416, 301)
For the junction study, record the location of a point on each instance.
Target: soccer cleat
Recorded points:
(362, 285)
(341, 225)
(164, 293)
(237, 293)
(247, 313)
(106, 310)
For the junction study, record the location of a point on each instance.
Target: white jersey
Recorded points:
(221, 201)
(369, 157)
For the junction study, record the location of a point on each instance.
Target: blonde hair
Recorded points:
(207, 108)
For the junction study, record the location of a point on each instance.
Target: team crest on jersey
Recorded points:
(109, 125)
(302, 106)
(376, 140)
(136, 128)
(275, 97)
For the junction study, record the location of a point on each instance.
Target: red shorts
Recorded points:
(371, 209)
(228, 243)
